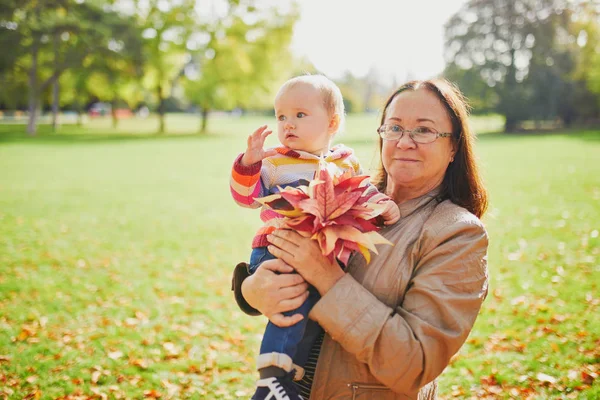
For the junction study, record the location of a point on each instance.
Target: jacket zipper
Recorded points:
(356, 386)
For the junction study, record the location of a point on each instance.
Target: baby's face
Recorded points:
(303, 123)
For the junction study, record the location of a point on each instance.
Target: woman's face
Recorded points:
(416, 166)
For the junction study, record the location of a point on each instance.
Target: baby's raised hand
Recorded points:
(391, 214)
(255, 151)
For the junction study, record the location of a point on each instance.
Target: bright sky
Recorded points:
(400, 38)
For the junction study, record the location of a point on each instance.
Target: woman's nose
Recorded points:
(406, 142)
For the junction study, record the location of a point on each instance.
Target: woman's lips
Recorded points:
(407, 159)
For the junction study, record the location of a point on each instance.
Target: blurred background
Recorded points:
(119, 123)
(535, 63)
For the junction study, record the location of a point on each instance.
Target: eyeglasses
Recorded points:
(421, 134)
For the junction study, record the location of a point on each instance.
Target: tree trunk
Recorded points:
(204, 121)
(33, 93)
(77, 107)
(161, 109)
(55, 88)
(55, 107)
(113, 112)
(510, 125)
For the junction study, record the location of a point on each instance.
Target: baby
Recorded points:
(309, 111)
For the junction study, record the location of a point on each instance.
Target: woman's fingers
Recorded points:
(285, 237)
(281, 254)
(283, 321)
(292, 291)
(273, 289)
(277, 266)
(292, 304)
(289, 280)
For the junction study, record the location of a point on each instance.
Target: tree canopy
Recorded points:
(525, 58)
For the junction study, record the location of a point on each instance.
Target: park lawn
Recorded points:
(117, 250)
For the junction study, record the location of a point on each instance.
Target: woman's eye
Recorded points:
(423, 129)
(301, 115)
(396, 128)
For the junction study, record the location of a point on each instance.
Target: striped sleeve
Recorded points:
(372, 195)
(245, 183)
(355, 165)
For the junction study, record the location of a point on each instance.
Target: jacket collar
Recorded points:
(412, 205)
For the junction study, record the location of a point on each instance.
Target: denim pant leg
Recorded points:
(257, 257)
(286, 340)
(311, 333)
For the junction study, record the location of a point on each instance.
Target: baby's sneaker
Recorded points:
(276, 388)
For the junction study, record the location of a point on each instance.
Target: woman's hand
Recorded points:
(274, 294)
(304, 255)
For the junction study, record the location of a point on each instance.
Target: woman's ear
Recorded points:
(453, 151)
(334, 124)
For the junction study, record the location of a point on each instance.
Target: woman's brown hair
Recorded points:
(462, 182)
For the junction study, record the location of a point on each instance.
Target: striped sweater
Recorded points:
(287, 168)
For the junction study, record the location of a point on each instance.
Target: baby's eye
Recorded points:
(281, 117)
(301, 115)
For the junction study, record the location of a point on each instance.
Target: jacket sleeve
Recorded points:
(245, 183)
(409, 346)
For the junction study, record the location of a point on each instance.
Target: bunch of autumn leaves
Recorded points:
(332, 209)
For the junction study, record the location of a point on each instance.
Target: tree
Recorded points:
(588, 64)
(241, 58)
(482, 96)
(166, 28)
(521, 48)
(46, 38)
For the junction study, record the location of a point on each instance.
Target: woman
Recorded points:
(393, 325)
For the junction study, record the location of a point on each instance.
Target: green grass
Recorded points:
(117, 247)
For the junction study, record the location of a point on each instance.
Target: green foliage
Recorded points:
(46, 39)
(527, 53)
(244, 60)
(588, 68)
(482, 97)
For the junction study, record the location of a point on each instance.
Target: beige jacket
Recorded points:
(393, 325)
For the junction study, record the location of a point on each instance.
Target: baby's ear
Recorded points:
(334, 123)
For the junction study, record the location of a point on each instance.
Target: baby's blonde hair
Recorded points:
(332, 96)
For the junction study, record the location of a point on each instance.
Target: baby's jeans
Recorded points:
(295, 341)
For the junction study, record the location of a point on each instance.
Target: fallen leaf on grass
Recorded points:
(100, 393)
(172, 350)
(115, 355)
(588, 378)
(152, 394)
(138, 362)
(545, 378)
(172, 388)
(36, 394)
(96, 376)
